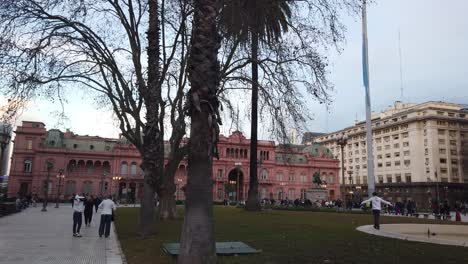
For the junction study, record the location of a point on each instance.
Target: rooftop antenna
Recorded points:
(401, 67)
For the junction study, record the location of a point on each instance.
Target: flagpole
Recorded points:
(365, 69)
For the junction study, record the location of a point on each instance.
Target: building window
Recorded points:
(124, 168)
(133, 169)
(397, 145)
(220, 194)
(263, 193)
(452, 133)
(408, 177)
(87, 187)
(91, 147)
(303, 178)
(27, 166)
(405, 144)
(264, 174)
(279, 177)
(407, 163)
(388, 155)
(70, 188)
(89, 167)
(441, 132)
(332, 179)
(443, 161)
(406, 153)
(397, 163)
(291, 177)
(398, 178)
(380, 178)
(291, 194)
(397, 154)
(220, 174)
(389, 178)
(388, 164)
(29, 144)
(75, 146)
(405, 135)
(379, 165)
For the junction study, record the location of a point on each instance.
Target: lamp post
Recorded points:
(342, 140)
(5, 136)
(60, 176)
(104, 174)
(238, 166)
(50, 166)
(117, 179)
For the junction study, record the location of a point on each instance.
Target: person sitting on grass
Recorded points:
(376, 208)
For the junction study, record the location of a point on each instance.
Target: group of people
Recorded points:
(82, 204)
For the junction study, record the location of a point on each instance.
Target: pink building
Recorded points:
(96, 165)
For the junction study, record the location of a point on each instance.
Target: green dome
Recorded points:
(316, 150)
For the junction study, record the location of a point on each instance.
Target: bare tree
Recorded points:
(51, 46)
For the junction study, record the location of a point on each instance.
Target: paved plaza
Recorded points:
(35, 237)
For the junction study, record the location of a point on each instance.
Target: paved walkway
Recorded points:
(35, 237)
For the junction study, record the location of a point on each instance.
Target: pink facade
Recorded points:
(91, 162)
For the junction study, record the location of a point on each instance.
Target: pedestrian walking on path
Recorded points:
(376, 208)
(108, 207)
(77, 214)
(88, 210)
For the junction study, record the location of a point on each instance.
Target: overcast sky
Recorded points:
(434, 45)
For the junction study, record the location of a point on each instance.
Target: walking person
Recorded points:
(88, 210)
(97, 201)
(77, 214)
(108, 207)
(376, 208)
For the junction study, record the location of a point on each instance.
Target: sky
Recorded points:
(433, 39)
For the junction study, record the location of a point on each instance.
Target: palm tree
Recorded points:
(250, 22)
(197, 238)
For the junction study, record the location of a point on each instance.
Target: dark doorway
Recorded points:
(24, 189)
(235, 185)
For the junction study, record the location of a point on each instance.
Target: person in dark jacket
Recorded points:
(88, 210)
(97, 201)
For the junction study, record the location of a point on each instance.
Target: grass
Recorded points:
(290, 237)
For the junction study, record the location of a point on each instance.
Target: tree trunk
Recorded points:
(152, 149)
(167, 206)
(147, 211)
(197, 238)
(253, 203)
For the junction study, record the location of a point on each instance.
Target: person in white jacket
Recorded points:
(77, 214)
(107, 206)
(376, 208)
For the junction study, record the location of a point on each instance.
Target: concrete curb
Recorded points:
(114, 253)
(369, 229)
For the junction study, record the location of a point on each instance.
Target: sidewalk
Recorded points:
(35, 237)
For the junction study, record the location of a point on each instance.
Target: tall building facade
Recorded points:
(95, 165)
(420, 152)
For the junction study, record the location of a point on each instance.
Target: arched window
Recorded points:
(106, 167)
(89, 167)
(27, 166)
(124, 168)
(227, 152)
(280, 194)
(264, 174)
(237, 153)
(291, 194)
(331, 178)
(133, 169)
(232, 153)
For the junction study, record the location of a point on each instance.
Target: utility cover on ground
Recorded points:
(222, 248)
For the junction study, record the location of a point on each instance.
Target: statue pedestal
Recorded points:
(317, 194)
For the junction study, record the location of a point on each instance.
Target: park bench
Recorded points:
(426, 215)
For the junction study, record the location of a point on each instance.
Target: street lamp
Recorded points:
(104, 174)
(50, 166)
(238, 166)
(350, 177)
(342, 140)
(60, 176)
(117, 179)
(5, 136)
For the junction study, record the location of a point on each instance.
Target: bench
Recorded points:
(426, 215)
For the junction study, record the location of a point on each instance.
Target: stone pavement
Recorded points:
(35, 237)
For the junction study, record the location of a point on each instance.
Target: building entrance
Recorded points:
(234, 188)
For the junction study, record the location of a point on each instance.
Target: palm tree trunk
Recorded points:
(253, 203)
(197, 245)
(153, 142)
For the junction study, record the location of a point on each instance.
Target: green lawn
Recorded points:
(291, 237)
